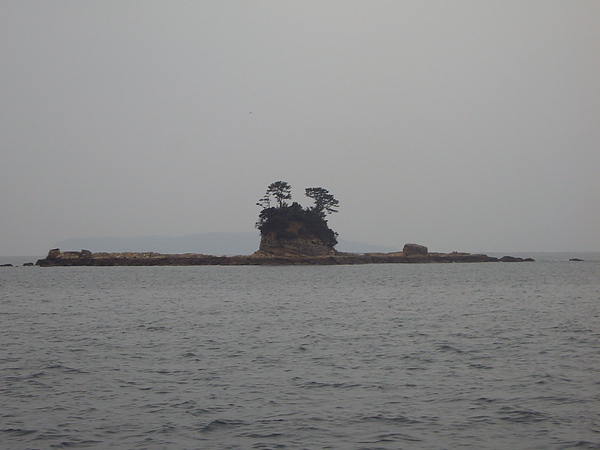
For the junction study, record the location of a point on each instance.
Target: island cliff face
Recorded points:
(295, 241)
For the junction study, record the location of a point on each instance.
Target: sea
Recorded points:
(391, 356)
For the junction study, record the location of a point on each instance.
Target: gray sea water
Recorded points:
(441, 356)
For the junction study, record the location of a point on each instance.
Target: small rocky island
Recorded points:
(290, 235)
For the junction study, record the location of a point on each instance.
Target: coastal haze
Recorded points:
(467, 126)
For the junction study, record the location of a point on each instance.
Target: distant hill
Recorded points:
(206, 243)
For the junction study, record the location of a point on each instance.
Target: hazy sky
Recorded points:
(460, 125)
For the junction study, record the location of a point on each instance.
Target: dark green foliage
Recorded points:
(324, 201)
(281, 190)
(311, 223)
(291, 221)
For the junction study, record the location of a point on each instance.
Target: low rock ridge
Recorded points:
(412, 253)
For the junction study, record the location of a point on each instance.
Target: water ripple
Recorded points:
(390, 356)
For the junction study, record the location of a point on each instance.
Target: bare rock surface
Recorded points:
(271, 244)
(414, 249)
(315, 255)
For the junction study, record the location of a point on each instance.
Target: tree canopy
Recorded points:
(280, 190)
(277, 219)
(324, 201)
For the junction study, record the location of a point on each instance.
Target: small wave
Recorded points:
(61, 368)
(382, 418)
(16, 432)
(268, 446)
(480, 366)
(449, 348)
(523, 416)
(153, 328)
(481, 420)
(220, 424)
(486, 400)
(391, 437)
(581, 444)
(262, 436)
(199, 411)
(78, 443)
(317, 384)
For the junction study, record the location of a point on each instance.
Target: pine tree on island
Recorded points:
(291, 230)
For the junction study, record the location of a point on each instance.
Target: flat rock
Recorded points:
(86, 258)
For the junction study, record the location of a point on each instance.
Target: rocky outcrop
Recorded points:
(86, 258)
(510, 259)
(414, 249)
(273, 246)
(460, 257)
(294, 242)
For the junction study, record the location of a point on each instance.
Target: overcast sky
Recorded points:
(460, 125)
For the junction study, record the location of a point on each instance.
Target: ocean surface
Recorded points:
(440, 356)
